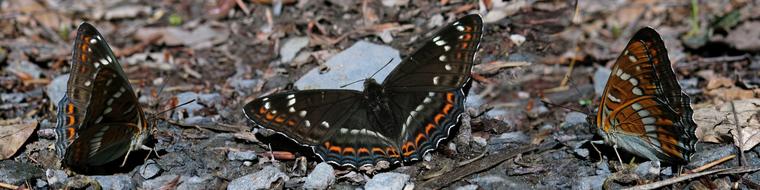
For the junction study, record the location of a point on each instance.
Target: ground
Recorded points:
(537, 76)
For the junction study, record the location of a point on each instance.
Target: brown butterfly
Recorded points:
(643, 109)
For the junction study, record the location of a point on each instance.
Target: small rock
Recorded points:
(602, 169)
(648, 169)
(25, 67)
(517, 39)
(246, 155)
(16, 173)
(56, 178)
(435, 21)
(160, 181)
(480, 141)
(291, 47)
(511, 137)
(196, 182)
(499, 182)
(574, 118)
(243, 86)
(126, 11)
(357, 62)
(388, 180)
(354, 177)
(591, 182)
(600, 79)
(582, 152)
(119, 181)
(467, 187)
(262, 179)
(149, 170)
(321, 178)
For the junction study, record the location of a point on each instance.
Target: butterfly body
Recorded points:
(643, 109)
(398, 120)
(99, 118)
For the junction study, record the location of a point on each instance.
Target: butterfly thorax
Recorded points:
(374, 95)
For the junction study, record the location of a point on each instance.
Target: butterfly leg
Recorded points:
(618, 155)
(597, 149)
(150, 150)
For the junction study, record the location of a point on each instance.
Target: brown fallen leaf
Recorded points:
(716, 123)
(13, 137)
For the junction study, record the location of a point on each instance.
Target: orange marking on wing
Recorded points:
(335, 149)
(70, 108)
(392, 152)
(262, 110)
(467, 29)
(466, 37)
(419, 137)
(269, 116)
(71, 133)
(72, 120)
(363, 150)
(327, 144)
(450, 97)
(464, 45)
(438, 118)
(447, 108)
(668, 142)
(408, 148)
(428, 128)
(279, 119)
(378, 151)
(348, 151)
(291, 123)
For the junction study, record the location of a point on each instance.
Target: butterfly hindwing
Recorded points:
(444, 62)
(325, 121)
(643, 108)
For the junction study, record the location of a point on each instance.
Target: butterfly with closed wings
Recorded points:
(643, 109)
(99, 118)
(398, 120)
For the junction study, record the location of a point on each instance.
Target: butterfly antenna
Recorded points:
(175, 107)
(373, 74)
(543, 100)
(381, 68)
(572, 83)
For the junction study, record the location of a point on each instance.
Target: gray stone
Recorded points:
(498, 182)
(262, 179)
(246, 155)
(648, 169)
(56, 178)
(590, 182)
(467, 187)
(388, 180)
(574, 118)
(582, 152)
(291, 47)
(600, 79)
(196, 182)
(511, 137)
(12, 172)
(149, 170)
(120, 181)
(321, 178)
(160, 181)
(358, 62)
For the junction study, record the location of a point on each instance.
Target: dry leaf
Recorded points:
(14, 136)
(715, 123)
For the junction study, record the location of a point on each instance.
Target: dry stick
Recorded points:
(666, 182)
(713, 163)
(7, 186)
(740, 144)
(475, 167)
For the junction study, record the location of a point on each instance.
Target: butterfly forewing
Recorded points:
(443, 63)
(643, 108)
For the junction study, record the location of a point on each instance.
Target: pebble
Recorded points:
(600, 79)
(197, 182)
(648, 169)
(388, 180)
(574, 118)
(119, 181)
(357, 62)
(291, 47)
(262, 179)
(16, 173)
(56, 177)
(245, 155)
(321, 178)
(149, 170)
(590, 182)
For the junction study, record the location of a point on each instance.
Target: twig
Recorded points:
(674, 180)
(740, 144)
(7, 186)
(475, 167)
(713, 163)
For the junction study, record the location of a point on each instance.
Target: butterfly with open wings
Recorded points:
(99, 118)
(398, 120)
(643, 109)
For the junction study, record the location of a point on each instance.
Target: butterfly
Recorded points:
(398, 120)
(643, 109)
(99, 117)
